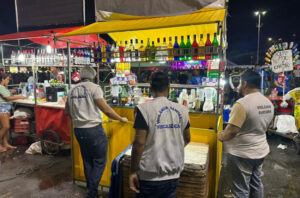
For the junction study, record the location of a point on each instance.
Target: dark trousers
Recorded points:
(158, 189)
(93, 147)
(246, 177)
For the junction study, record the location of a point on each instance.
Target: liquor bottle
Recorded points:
(208, 44)
(137, 53)
(132, 50)
(149, 93)
(94, 53)
(145, 93)
(13, 57)
(195, 48)
(121, 50)
(103, 52)
(215, 43)
(108, 53)
(188, 54)
(201, 44)
(176, 49)
(153, 52)
(182, 49)
(170, 50)
(127, 52)
(99, 53)
(148, 51)
(158, 50)
(112, 53)
(142, 55)
(164, 48)
(117, 53)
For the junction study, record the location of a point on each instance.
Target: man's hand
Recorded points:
(220, 137)
(134, 183)
(235, 89)
(124, 120)
(12, 91)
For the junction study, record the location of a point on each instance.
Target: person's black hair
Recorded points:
(3, 76)
(159, 82)
(252, 78)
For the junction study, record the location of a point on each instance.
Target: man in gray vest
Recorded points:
(162, 132)
(245, 138)
(84, 105)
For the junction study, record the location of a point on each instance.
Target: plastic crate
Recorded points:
(22, 125)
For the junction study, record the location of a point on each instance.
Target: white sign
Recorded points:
(282, 61)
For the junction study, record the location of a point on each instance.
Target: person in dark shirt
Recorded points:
(182, 78)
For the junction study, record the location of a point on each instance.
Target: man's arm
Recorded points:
(138, 149)
(136, 154)
(107, 110)
(186, 136)
(237, 119)
(230, 132)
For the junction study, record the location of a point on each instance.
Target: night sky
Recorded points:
(281, 21)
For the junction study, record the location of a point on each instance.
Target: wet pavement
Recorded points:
(36, 176)
(42, 176)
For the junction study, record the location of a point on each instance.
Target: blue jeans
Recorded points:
(5, 108)
(246, 177)
(158, 189)
(93, 147)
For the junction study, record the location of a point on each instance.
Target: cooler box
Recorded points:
(22, 125)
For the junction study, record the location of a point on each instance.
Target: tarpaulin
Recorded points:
(111, 9)
(53, 119)
(206, 20)
(43, 37)
(33, 13)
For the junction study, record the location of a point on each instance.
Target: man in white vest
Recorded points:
(162, 132)
(245, 138)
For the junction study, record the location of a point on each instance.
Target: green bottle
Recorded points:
(153, 52)
(182, 49)
(148, 50)
(188, 54)
(215, 43)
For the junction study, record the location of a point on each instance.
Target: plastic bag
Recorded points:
(285, 124)
(23, 113)
(34, 148)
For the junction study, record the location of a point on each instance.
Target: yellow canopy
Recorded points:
(205, 22)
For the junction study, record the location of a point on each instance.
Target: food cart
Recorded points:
(205, 126)
(49, 122)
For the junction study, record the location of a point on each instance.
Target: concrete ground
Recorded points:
(36, 176)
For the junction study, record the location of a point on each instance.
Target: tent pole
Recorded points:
(83, 12)
(69, 64)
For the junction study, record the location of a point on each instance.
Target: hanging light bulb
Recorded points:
(49, 48)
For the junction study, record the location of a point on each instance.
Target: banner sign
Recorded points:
(282, 61)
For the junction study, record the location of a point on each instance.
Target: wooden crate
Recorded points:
(193, 182)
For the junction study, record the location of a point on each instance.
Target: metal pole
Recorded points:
(262, 81)
(69, 63)
(2, 56)
(258, 37)
(83, 11)
(17, 18)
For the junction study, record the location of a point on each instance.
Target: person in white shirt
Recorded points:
(245, 140)
(84, 105)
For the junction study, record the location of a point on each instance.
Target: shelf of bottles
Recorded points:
(50, 57)
(160, 51)
(196, 98)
